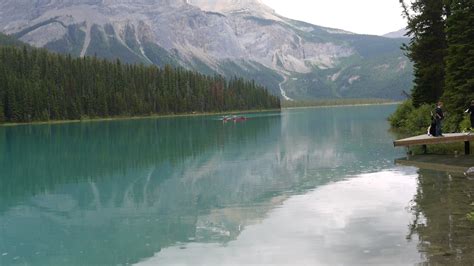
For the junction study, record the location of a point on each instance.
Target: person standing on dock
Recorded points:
(439, 116)
(470, 110)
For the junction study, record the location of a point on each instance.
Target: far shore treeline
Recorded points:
(442, 50)
(37, 85)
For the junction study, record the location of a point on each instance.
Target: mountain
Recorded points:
(230, 37)
(396, 34)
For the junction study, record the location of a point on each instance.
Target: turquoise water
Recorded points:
(306, 186)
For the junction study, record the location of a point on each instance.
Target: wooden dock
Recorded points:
(425, 140)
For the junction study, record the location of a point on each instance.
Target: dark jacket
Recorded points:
(471, 110)
(439, 113)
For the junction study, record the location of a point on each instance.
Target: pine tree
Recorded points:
(36, 85)
(460, 60)
(427, 48)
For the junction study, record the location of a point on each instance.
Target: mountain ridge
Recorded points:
(401, 33)
(231, 37)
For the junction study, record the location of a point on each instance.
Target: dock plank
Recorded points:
(427, 140)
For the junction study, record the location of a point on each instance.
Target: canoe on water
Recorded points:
(234, 118)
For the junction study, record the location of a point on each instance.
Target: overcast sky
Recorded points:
(359, 16)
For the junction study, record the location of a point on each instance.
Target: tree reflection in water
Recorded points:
(440, 207)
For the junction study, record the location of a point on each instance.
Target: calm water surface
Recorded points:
(304, 187)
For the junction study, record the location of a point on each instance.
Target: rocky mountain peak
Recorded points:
(230, 6)
(231, 37)
(224, 5)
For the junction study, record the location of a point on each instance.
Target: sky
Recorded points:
(376, 17)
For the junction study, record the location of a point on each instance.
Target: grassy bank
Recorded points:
(409, 120)
(152, 116)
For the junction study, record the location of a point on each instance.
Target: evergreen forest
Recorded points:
(37, 85)
(442, 51)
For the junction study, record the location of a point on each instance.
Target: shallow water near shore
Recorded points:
(300, 187)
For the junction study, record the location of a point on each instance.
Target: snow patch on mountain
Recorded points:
(353, 79)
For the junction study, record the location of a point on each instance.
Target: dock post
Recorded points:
(425, 149)
(467, 147)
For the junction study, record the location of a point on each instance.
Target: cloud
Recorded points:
(364, 16)
(340, 223)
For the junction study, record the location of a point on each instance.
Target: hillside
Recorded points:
(232, 37)
(36, 85)
(6, 40)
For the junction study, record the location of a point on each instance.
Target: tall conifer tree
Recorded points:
(427, 48)
(460, 60)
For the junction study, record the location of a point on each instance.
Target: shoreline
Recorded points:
(340, 105)
(142, 117)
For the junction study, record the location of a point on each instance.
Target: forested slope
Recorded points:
(36, 85)
(226, 37)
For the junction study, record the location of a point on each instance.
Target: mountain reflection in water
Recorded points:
(296, 186)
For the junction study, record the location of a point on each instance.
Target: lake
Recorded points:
(301, 187)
